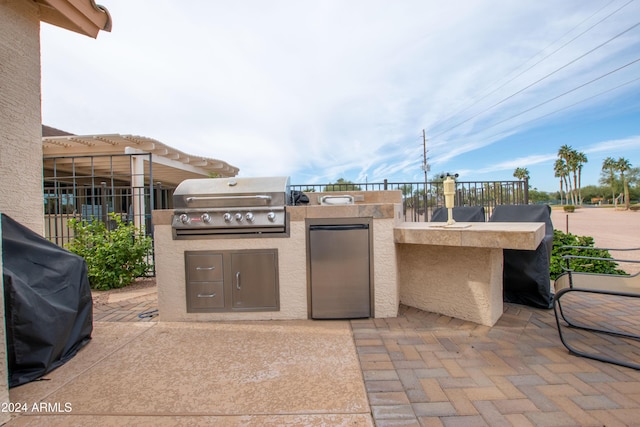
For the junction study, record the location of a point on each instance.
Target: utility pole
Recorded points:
(425, 164)
(425, 168)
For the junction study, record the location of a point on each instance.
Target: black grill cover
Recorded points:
(526, 278)
(48, 305)
(460, 213)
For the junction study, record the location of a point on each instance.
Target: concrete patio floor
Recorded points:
(246, 373)
(418, 369)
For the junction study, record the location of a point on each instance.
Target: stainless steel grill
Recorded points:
(231, 206)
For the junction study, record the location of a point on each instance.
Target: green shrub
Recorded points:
(569, 208)
(590, 266)
(114, 257)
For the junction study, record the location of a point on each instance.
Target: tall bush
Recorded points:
(114, 256)
(561, 239)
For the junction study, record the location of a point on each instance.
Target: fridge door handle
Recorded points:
(339, 227)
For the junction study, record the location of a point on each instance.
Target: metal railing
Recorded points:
(89, 187)
(420, 199)
(92, 187)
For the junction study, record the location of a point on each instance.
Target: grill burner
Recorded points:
(230, 206)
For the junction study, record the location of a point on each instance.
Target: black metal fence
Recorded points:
(93, 187)
(420, 199)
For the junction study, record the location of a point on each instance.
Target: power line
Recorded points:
(565, 107)
(565, 93)
(548, 55)
(541, 79)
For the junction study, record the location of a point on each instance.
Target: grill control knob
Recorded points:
(184, 218)
(249, 216)
(239, 217)
(206, 217)
(227, 217)
(271, 216)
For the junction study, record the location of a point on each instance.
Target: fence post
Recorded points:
(105, 210)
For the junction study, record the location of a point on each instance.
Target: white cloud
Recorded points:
(512, 164)
(615, 145)
(329, 89)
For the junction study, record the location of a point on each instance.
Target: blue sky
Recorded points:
(343, 89)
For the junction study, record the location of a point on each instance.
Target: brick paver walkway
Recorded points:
(138, 309)
(423, 369)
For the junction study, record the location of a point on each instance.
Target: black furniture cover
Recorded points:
(460, 213)
(526, 273)
(48, 305)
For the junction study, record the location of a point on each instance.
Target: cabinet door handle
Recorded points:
(237, 280)
(207, 295)
(205, 268)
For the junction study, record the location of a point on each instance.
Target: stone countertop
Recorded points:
(504, 235)
(372, 210)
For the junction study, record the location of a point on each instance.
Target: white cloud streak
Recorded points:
(615, 145)
(323, 90)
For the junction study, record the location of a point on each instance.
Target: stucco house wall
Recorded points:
(20, 118)
(21, 186)
(20, 140)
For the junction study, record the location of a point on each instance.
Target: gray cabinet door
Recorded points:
(254, 280)
(340, 279)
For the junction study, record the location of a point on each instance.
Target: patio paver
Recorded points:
(516, 373)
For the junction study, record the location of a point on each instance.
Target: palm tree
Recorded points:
(572, 164)
(623, 165)
(573, 161)
(609, 167)
(559, 168)
(567, 154)
(521, 173)
(580, 159)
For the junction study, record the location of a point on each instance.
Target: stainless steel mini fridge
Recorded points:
(339, 262)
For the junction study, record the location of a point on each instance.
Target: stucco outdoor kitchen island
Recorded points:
(452, 270)
(457, 270)
(290, 298)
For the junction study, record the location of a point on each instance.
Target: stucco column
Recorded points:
(137, 188)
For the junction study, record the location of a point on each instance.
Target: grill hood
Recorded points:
(231, 192)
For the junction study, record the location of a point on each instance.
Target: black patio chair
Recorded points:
(460, 213)
(573, 282)
(526, 275)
